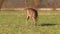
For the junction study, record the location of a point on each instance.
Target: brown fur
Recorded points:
(32, 13)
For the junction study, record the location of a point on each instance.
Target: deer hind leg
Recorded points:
(34, 20)
(27, 17)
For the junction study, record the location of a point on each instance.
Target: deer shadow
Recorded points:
(47, 24)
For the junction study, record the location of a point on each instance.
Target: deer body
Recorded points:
(31, 13)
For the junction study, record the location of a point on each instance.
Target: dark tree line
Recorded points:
(1, 2)
(30, 3)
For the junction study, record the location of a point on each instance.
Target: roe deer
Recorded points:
(31, 13)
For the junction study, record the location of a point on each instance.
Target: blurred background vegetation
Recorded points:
(30, 3)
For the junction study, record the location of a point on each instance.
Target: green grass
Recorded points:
(13, 22)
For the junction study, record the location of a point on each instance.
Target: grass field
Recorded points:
(13, 22)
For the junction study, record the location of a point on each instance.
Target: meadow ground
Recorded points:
(13, 22)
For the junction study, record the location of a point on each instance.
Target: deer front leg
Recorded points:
(27, 17)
